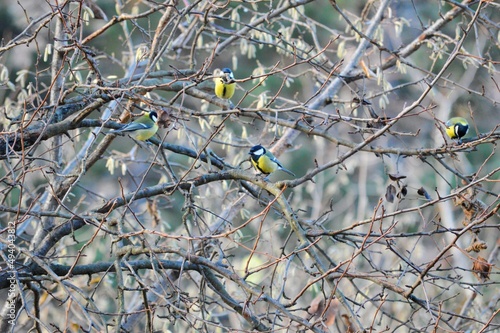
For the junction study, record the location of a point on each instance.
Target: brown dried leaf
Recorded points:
(165, 118)
(347, 322)
(317, 309)
(366, 69)
(481, 269)
(152, 208)
(477, 246)
(126, 115)
(471, 206)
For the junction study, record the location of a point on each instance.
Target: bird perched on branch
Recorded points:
(143, 128)
(456, 128)
(265, 162)
(224, 84)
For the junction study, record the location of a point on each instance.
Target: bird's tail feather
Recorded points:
(287, 171)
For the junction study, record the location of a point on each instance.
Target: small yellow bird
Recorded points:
(143, 128)
(225, 85)
(456, 128)
(265, 162)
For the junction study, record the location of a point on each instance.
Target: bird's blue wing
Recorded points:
(275, 160)
(132, 127)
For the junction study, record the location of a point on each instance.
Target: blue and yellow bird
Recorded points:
(456, 128)
(143, 128)
(265, 162)
(224, 84)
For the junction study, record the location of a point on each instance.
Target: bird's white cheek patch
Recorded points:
(154, 118)
(259, 152)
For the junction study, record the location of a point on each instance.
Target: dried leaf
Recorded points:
(368, 72)
(390, 193)
(481, 269)
(347, 322)
(477, 246)
(317, 309)
(471, 206)
(152, 208)
(126, 116)
(421, 191)
(395, 177)
(404, 191)
(165, 118)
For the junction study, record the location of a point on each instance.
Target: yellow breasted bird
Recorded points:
(225, 85)
(143, 128)
(265, 162)
(456, 128)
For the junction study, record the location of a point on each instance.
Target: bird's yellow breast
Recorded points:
(223, 89)
(450, 131)
(146, 134)
(457, 127)
(265, 165)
